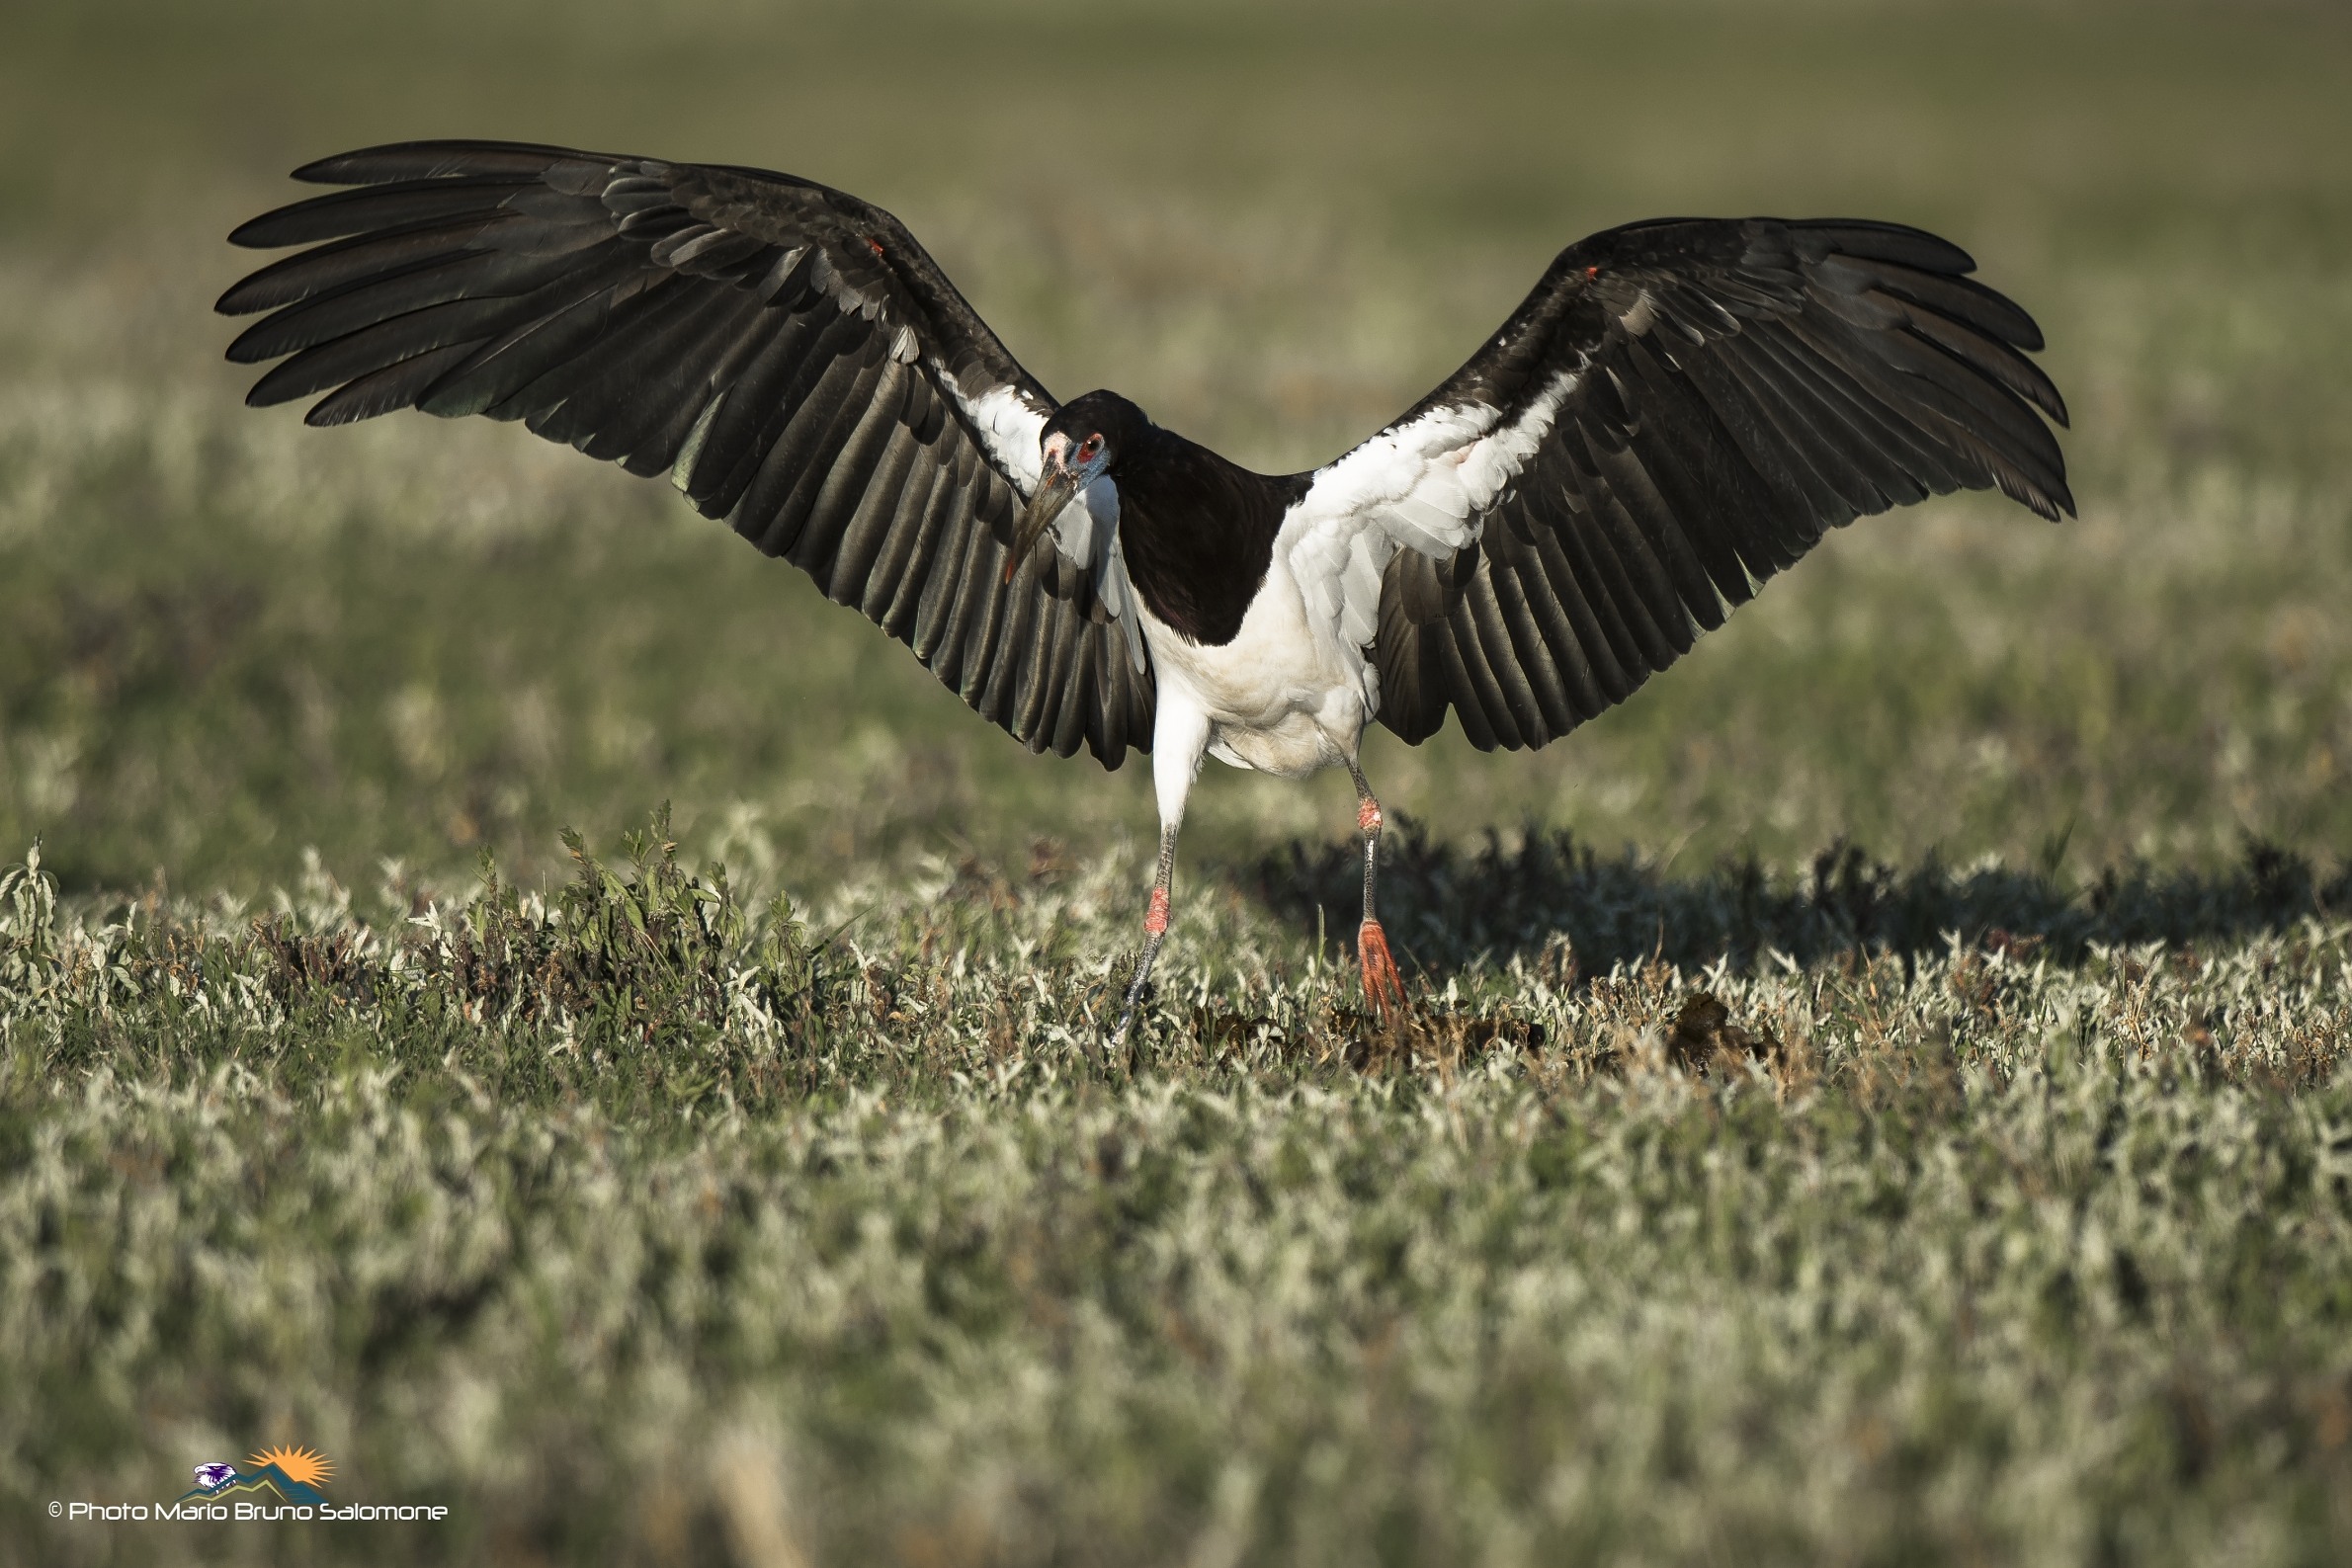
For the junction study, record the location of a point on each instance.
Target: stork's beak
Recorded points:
(1055, 489)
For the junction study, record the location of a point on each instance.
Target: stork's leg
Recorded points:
(1179, 737)
(1384, 987)
(1155, 930)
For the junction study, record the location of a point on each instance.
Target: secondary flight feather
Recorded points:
(1675, 413)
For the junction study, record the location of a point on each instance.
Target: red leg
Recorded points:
(1155, 930)
(1384, 987)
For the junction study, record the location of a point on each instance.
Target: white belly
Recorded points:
(1281, 697)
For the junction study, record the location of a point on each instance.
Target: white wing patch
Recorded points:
(1010, 425)
(1087, 535)
(1424, 485)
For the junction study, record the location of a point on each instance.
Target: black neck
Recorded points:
(1198, 532)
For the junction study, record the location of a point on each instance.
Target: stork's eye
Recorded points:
(1089, 449)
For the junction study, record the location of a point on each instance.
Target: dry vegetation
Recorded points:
(1879, 1097)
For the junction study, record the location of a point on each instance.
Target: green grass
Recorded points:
(2002, 1214)
(637, 1224)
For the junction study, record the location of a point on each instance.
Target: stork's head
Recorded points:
(1079, 446)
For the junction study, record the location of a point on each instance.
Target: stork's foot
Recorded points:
(1139, 990)
(1384, 987)
(1137, 995)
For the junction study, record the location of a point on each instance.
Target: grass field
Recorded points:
(1877, 1096)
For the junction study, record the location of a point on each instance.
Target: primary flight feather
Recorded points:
(1675, 412)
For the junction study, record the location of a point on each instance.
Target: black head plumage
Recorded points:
(1124, 427)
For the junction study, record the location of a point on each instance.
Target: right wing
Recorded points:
(1676, 413)
(788, 353)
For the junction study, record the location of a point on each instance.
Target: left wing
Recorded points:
(1676, 413)
(786, 353)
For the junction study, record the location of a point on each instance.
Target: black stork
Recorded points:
(1675, 412)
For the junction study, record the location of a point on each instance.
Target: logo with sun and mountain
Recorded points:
(294, 1474)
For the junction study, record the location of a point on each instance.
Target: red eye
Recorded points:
(1088, 447)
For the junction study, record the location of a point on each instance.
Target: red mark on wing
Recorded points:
(1592, 272)
(874, 245)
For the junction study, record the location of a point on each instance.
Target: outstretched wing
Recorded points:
(786, 353)
(1677, 412)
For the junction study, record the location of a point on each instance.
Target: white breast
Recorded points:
(1285, 696)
